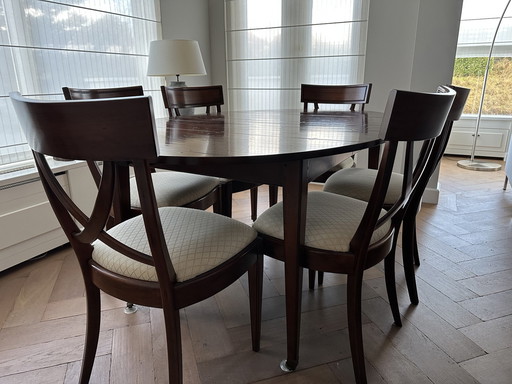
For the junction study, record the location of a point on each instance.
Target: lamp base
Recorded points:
(177, 84)
(478, 166)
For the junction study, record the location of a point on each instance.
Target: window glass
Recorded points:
(75, 43)
(479, 23)
(275, 45)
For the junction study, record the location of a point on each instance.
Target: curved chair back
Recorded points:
(191, 97)
(135, 261)
(352, 94)
(101, 93)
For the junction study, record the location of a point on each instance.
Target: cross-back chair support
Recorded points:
(138, 269)
(353, 94)
(346, 235)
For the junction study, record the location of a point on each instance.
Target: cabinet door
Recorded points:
(491, 142)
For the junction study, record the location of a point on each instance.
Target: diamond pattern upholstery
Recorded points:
(198, 243)
(358, 184)
(331, 221)
(175, 189)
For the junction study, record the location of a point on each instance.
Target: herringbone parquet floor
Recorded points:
(461, 332)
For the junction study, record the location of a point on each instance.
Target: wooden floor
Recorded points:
(461, 332)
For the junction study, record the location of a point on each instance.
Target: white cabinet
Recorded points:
(493, 137)
(29, 226)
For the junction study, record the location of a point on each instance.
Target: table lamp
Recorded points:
(175, 58)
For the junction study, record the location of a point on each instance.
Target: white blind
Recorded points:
(45, 45)
(275, 45)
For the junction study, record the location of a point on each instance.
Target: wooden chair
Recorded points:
(192, 97)
(168, 257)
(212, 96)
(352, 94)
(346, 235)
(172, 188)
(358, 183)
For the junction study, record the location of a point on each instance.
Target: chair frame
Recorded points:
(128, 139)
(213, 198)
(209, 96)
(409, 238)
(192, 97)
(352, 94)
(427, 113)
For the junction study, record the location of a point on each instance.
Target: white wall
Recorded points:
(411, 45)
(188, 20)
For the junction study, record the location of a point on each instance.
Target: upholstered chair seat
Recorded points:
(198, 241)
(331, 221)
(176, 189)
(358, 184)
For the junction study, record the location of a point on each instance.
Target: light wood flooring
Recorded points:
(461, 332)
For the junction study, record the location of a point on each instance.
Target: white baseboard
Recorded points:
(431, 196)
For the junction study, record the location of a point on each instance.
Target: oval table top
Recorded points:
(288, 134)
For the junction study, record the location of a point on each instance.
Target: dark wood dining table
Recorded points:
(287, 148)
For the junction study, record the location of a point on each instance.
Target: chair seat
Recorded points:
(358, 184)
(331, 221)
(347, 163)
(176, 189)
(198, 241)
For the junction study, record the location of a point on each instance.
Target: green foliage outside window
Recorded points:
(469, 72)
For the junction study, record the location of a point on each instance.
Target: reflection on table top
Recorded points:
(286, 133)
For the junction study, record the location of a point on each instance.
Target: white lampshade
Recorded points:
(175, 57)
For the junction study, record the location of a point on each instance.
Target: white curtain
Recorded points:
(76, 43)
(275, 45)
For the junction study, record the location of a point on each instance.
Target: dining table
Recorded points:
(286, 148)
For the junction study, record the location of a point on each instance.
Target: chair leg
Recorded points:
(254, 203)
(311, 277)
(255, 300)
(355, 328)
(389, 274)
(226, 199)
(92, 332)
(416, 253)
(272, 194)
(408, 258)
(173, 338)
(320, 277)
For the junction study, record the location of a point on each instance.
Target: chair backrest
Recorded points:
(335, 94)
(409, 117)
(192, 97)
(440, 145)
(101, 93)
(114, 131)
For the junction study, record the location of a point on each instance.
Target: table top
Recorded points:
(289, 134)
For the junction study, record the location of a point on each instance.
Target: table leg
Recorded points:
(294, 212)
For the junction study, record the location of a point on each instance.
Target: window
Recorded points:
(77, 43)
(479, 21)
(275, 45)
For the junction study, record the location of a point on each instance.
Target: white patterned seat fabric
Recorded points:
(358, 184)
(176, 189)
(331, 221)
(198, 241)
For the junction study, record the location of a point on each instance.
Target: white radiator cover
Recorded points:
(28, 225)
